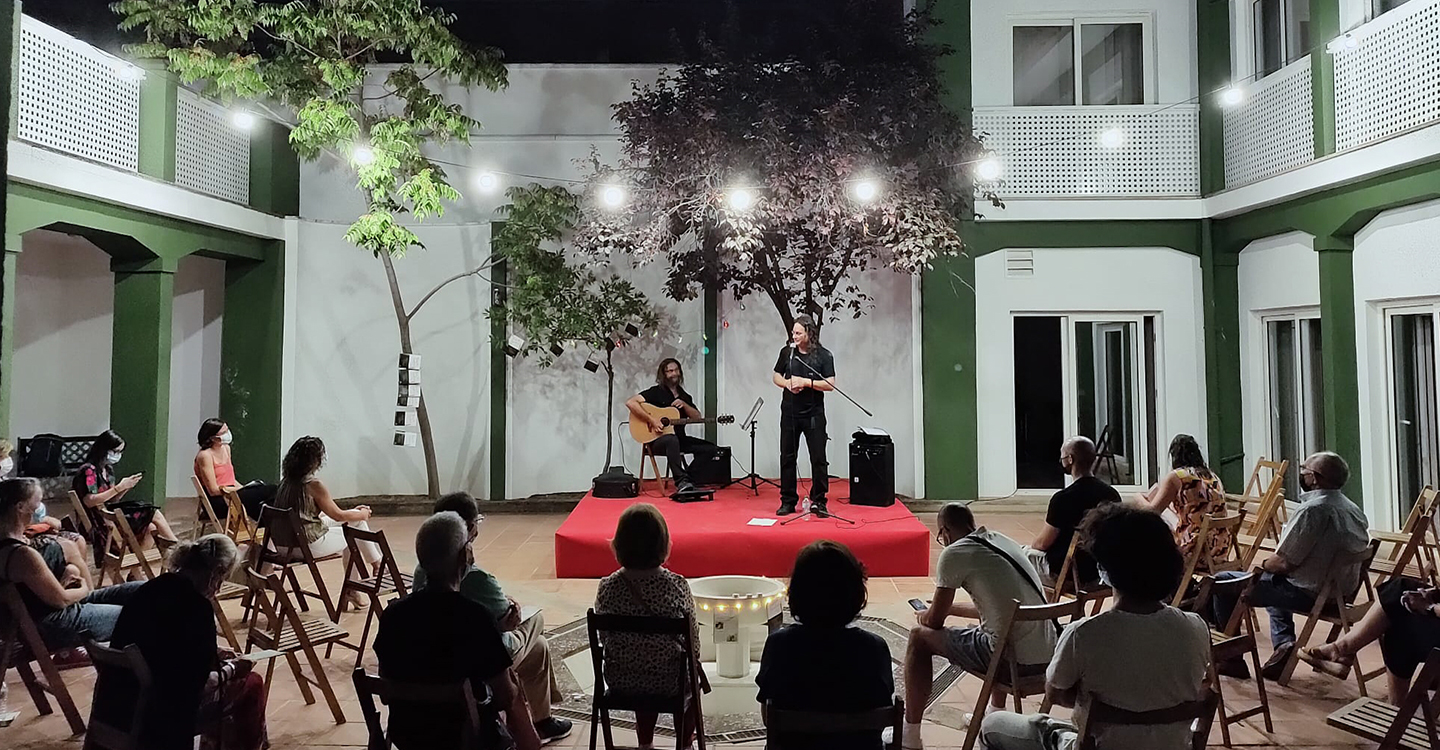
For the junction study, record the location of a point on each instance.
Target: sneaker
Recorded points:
(1276, 665)
(552, 729)
(785, 509)
(71, 658)
(819, 508)
(684, 486)
(1236, 668)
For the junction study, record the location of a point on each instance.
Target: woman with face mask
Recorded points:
(216, 472)
(95, 484)
(43, 529)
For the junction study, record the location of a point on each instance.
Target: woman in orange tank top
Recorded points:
(216, 472)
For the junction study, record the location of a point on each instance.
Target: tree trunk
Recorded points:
(427, 439)
(609, 409)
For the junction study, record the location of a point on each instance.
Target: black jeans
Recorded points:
(813, 428)
(674, 448)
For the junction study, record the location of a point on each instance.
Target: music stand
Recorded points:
(753, 480)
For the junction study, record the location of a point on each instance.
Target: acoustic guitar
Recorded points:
(668, 416)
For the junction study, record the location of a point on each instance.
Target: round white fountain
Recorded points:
(735, 615)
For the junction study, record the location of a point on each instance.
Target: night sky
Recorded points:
(615, 31)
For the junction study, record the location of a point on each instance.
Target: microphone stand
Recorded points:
(810, 509)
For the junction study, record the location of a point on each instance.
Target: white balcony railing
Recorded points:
(1273, 130)
(1057, 152)
(76, 98)
(1389, 80)
(212, 155)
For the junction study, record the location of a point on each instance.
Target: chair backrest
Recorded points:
(387, 567)
(204, 513)
(1233, 589)
(77, 508)
(1204, 557)
(123, 541)
(1005, 642)
(368, 687)
(1336, 582)
(283, 528)
(273, 601)
(238, 524)
(124, 678)
(823, 723)
(1199, 712)
(1418, 699)
(1068, 577)
(1417, 546)
(680, 627)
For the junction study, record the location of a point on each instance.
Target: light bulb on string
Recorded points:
(1112, 138)
(1232, 96)
(866, 190)
(362, 155)
(613, 196)
(741, 199)
(487, 182)
(129, 73)
(243, 120)
(988, 169)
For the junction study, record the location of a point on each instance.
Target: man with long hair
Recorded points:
(806, 370)
(669, 391)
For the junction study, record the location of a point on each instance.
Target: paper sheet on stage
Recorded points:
(761, 522)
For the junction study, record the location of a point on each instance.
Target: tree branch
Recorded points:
(488, 263)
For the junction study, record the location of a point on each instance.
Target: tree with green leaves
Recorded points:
(305, 64)
(558, 303)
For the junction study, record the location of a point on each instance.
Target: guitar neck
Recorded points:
(687, 420)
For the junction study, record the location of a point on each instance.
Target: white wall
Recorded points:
(1172, 74)
(64, 305)
(1128, 280)
(1396, 261)
(1277, 275)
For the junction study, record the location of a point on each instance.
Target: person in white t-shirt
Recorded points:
(995, 573)
(1142, 655)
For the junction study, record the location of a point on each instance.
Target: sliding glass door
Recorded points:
(1415, 432)
(1294, 405)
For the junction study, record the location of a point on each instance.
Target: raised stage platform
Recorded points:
(715, 538)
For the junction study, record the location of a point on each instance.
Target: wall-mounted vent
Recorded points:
(1020, 263)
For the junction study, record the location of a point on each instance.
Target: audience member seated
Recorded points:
(995, 572)
(800, 669)
(7, 459)
(1407, 624)
(639, 664)
(95, 484)
(320, 517)
(172, 621)
(216, 472)
(524, 638)
(54, 582)
(1187, 494)
(1327, 525)
(437, 636)
(1142, 655)
(1067, 508)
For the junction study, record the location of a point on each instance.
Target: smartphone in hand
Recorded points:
(918, 606)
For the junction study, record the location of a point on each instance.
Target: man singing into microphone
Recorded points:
(805, 370)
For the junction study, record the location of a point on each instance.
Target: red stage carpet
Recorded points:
(714, 538)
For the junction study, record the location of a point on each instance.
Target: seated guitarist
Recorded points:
(669, 391)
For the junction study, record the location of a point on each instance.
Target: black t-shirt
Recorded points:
(1067, 509)
(826, 669)
(436, 636)
(808, 402)
(659, 395)
(174, 626)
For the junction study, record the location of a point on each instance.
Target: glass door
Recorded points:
(1294, 405)
(1413, 396)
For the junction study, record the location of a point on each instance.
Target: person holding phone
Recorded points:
(95, 484)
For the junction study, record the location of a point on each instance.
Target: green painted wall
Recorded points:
(159, 99)
(1220, 278)
(274, 170)
(1324, 26)
(499, 377)
(1212, 19)
(140, 369)
(251, 358)
(1340, 365)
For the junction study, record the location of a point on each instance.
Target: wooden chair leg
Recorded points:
(60, 692)
(323, 682)
(699, 724)
(226, 628)
(32, 685)
(300, 678)
(323, 592)
(1260, 681)
(972, 732)
(1304, 638)
(1220, 707)
(679, 720)
(605, 726)
(594, 727)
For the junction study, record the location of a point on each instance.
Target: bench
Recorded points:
(73, 451)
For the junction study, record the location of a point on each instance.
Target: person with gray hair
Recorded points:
(172, 620)
(437, 636)
(1327, 525)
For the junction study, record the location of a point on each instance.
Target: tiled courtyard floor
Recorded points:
(519, 550)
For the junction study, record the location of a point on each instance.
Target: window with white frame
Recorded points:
(1414, 401)
(1294, 399)
(1100, 61)
(1282, 33)
(1377, 7)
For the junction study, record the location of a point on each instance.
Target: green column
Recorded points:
(9, 258)
(1340, 363)
(711, 354)
(499, 376)
(251, 360)
(1324, 26)
(1220, 277)
(159, 98)
(947, 312)
(1213, 58)
(140, 368)
(274, 170)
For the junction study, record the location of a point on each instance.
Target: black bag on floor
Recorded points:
(42, 456)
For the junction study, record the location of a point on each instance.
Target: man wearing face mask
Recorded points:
(1067, 509)
(1327, 526)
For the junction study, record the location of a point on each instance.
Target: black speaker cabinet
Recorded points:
(711, 467)
(872, 474)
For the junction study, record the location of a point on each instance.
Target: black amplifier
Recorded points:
(872, 470)
(711, 467)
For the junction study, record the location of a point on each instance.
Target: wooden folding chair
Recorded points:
(1204, 558)
(288, 632)
(1067, 582)
(1196, 713)
(228, 590)
(1264, 503)
(125, 677)
(20, 642)
(368, 687)
(385, 581)
(204, 513)
(1105, 459)
(80, 516)
(1337, 606)
(661, 482)
(1412, 550)
(1235, 640)
(282, 542)
(1396, 727)
(819, 725)
(605, 701)
(238, 525)
(1017, 685)
(125, 554)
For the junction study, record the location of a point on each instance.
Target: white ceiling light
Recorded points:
(243, 120)
(988, 169)
(362, 155)
(742, 199)
(1232, 96)
(1112, 138)
(613, 196)
(487, 182)
(866, 190)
